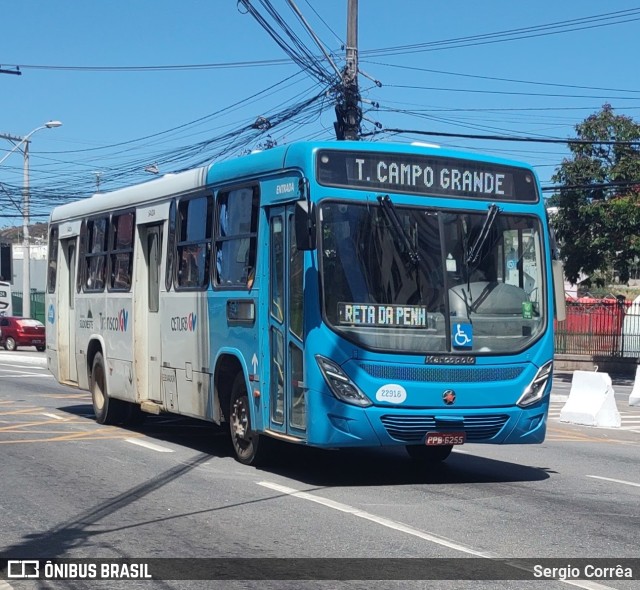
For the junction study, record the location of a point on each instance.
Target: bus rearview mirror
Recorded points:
(305, 225)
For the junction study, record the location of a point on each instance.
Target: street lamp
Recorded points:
(26, 264)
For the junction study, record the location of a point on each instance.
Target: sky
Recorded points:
(160, 84)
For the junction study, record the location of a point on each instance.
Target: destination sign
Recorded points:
(425, 175)
(367, 314)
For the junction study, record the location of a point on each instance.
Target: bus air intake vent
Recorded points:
(444, 374)
(412, 429)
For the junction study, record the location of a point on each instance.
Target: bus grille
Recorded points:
(444, 374)
(412, 429)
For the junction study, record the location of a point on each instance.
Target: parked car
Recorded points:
(16, 331)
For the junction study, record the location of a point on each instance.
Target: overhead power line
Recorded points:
(502, 137)
(589, 22)
(594, 186)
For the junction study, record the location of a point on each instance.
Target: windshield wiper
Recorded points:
(392, 215)
(473, 252)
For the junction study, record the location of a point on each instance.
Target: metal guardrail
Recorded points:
(603, 327)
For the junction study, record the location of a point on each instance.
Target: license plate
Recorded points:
(37, 341)
(437, 439)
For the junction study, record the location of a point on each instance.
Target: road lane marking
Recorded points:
(67, 395)
(34, 375)
(148, 445)
(628, 483)
(26, 411)
(403, 528)
(88, 437)
(398, 526)
(53, 416)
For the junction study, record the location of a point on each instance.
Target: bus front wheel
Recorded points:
(249, 447)
(425, 454)
(106, 409)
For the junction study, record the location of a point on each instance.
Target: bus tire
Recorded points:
(250, 448)
(106, 409)
(425, 454)
(10, 344)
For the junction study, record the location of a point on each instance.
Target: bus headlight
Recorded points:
(535, 389)
(340, 384)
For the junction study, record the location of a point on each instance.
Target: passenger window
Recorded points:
(53, 260)
(236, 237)
(121, 251)
(277, 269)
(194, 242)
(296, 298)
(96, 255)
(171, 245)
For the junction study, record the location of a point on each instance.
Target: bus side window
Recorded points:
(171, 246)
(121, 251)
(193, 242)
(236, 237)
(95, 257)
(53, 260)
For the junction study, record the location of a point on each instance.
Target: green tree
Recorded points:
(598, 219)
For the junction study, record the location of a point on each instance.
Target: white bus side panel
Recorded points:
(186, 373)
(109, 320)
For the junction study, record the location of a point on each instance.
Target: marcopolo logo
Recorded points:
(117, 323)
(185, 323)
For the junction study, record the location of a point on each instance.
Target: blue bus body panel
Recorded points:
(485, 392)
(485, 397)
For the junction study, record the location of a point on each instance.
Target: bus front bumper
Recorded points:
(351, 426)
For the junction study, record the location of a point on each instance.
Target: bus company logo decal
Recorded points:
(185, 323)
(449, 397)
(51, 314)
(87, 323)
(113, 323)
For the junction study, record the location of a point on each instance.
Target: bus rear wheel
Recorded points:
(425, 454)
(106, 409)
(250, 448)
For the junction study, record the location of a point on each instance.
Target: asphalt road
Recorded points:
(171, 489)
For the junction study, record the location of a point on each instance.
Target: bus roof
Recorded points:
(290, 156)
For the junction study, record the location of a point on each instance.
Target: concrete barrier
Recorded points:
(591, 401)
(634, 398)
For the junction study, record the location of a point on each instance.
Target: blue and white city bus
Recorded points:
(331, 294)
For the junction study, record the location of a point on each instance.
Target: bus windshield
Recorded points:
(425, 280)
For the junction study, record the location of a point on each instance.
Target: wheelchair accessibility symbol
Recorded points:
(462, 335)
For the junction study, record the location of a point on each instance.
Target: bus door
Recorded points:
(66, 322)
(287, 411)
(147, 340)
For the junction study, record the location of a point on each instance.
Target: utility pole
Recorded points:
(348, 109)
(98, 175)
(22, 144)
